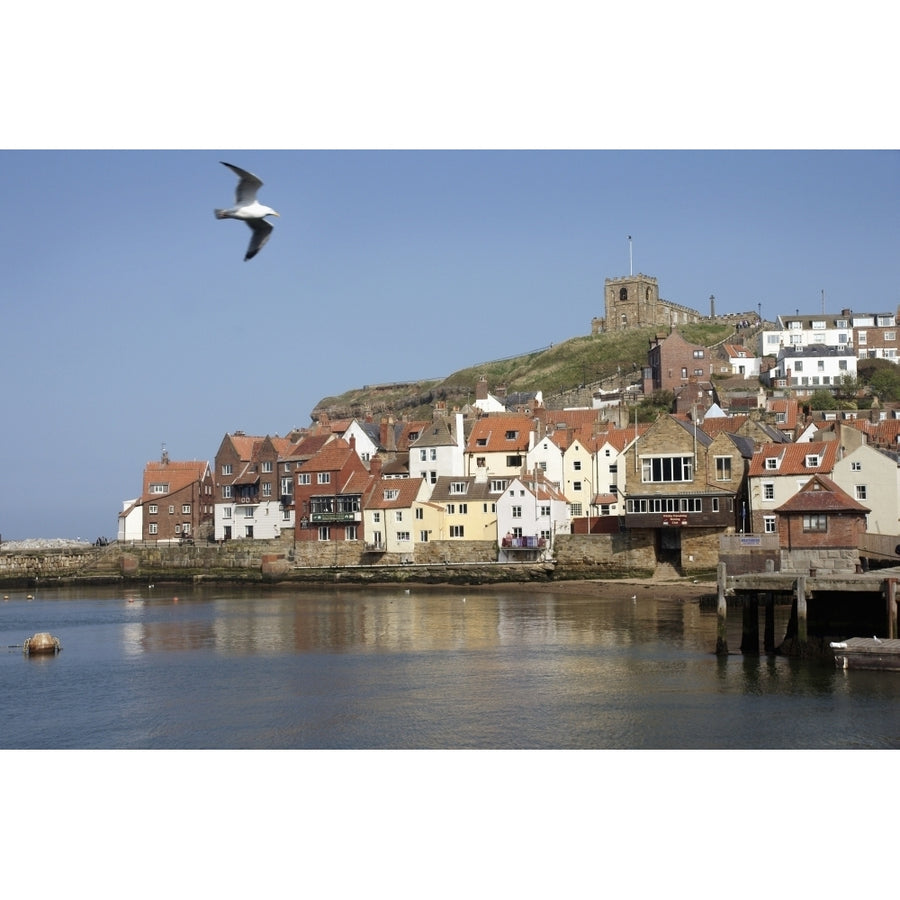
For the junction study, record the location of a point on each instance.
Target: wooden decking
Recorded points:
(867, 653)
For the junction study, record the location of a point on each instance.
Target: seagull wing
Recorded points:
(261, 230)
(247, 186)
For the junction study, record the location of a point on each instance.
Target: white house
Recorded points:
(439, 450)
(863, 334)
(366, 447)
(579, 483)
(131, 521)
(809, 369)
(530, 513)
(547, 455)
(871, 476)
(743, 363)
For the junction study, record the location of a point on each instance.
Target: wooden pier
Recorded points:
(867, 653)
(825, 608)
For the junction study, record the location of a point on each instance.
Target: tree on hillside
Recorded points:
(822, 400)
(885, 384)
(651, 406)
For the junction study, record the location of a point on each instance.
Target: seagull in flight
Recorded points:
(249, 209)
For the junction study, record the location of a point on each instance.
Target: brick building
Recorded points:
(177, 499)
(328, 493)
(673, 362)
(820, 528)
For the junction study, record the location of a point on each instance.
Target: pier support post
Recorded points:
(890, 593)
(750, 624)
(721, 613)
(769, 632)
(802, 635)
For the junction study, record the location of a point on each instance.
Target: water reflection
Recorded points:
(395, 621)
(437, 668)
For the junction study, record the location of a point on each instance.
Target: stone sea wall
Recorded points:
(471, 562)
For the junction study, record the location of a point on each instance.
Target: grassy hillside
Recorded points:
(562, 367)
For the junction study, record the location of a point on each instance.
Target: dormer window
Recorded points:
(512, 435)
(391, 494)
(772, 462)
(812, 460)
(458, 487)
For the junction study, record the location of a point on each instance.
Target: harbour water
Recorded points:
(439, 668)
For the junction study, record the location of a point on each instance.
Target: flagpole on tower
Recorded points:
(630, 263)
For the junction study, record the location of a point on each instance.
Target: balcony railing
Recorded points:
(526, 542)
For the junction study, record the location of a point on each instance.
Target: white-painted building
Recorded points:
(865, 335)
(871, 476)
(743, 363)
(131, 521)
(810, 369)
(530, 513)
(439, 450)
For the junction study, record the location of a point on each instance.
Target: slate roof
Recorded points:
(438, 433)
(475, 491)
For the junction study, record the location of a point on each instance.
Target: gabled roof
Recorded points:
(409, 432)
(176, 474)
(693, 430)
(789, 407)
(717, 424)
(821, 494)
(539, 487)
(402, 492)
(309, 445)
(793, 458)
(493, 430)
(331, 458)
(475, 489)
(745, 445)
(438, 433)
(737, 351)
(620, 438)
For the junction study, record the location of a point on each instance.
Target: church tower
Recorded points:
(632, 302)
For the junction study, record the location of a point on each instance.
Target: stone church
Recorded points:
(634, 302)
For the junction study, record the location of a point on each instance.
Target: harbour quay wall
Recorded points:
(621, 554)
(27, 566)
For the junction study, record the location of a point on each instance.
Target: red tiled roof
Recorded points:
(331, 458)
(407, 490)
(789, 407)
(717, 424)
(493, 430)
(821, 494)
(176, 474)
(793, 458)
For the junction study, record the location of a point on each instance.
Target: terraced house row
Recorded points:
(505, 486)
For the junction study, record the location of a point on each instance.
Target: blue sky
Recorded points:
(130, 320)
(134, 321)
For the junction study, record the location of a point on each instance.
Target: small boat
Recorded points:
(41, 643)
